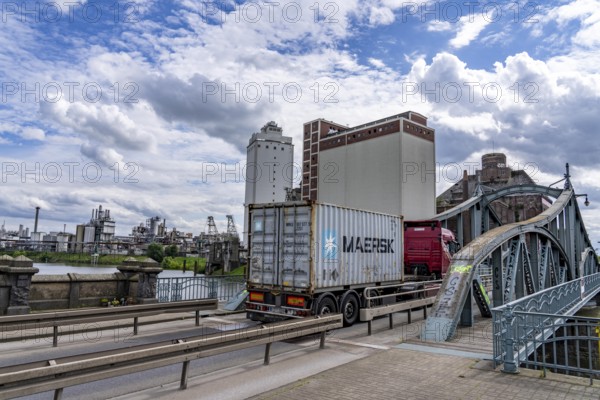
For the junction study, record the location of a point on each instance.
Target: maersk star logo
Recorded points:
(329, 245)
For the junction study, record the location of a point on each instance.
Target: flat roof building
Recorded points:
(387, 165)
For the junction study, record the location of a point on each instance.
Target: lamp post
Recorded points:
(586, 202)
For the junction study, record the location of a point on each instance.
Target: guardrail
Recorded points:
(521, 326)
(90, 315)
(375, 303)
(28, 379)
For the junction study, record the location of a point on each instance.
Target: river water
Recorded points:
(65, 268)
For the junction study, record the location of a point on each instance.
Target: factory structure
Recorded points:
(93, 236)
(386, 165)
(221, 250)
(155, 229)
(269, 167)
(99, 231)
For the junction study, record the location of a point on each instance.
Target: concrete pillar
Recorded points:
(147, 281)
(147, 272)
(15, 284)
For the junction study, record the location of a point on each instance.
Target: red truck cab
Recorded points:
(428, 248)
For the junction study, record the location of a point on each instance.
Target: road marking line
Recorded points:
(369, 345)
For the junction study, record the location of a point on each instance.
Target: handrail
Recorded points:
(84, 316)
(370, 310)
(557, 301)
(58, 374)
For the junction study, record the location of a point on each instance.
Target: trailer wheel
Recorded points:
(325, 305)
(349, 308)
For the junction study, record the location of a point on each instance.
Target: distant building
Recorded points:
(493, 175)
(100, 229)
(269, 167)
(155, 229)
(386, 165)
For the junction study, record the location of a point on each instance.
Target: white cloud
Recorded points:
(438, 25)
(33, 134)
(381, 16)
(377, 63)
(469, 28)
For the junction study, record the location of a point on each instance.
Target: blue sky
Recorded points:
(130, 104)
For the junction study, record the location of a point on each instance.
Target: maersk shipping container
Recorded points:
(309, 247)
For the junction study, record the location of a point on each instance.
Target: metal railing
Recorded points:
(57, 374)
(87, 317)
(422, 294)
(199, 287)
(563, 344)
(521, 326)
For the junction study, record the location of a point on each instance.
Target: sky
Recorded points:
(146, 107)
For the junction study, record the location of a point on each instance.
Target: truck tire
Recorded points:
(349, 307)
(325, 305)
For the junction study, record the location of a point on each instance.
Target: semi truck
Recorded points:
(308, 258)
(428, 248)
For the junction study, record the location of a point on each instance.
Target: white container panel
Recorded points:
(263, 266)
(355, 247)
(295, 252)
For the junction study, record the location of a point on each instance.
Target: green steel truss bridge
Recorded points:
(546, 264)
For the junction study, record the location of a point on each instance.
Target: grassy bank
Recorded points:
(83, 258)
(184, 262)
(238, 271)
(174, 263)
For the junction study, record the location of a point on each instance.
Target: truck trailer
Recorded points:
(308, 258)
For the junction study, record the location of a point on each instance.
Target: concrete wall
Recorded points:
(418, 177)
(51, 292)
(363, 175)
(393, 174)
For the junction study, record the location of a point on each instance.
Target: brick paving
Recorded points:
(410, 374)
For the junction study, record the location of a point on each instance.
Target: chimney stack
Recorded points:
(37, 214)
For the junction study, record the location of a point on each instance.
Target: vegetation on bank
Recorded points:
(82, 258)
(169, 261)
(181, 263)
(241, 270)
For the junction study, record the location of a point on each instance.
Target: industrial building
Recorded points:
(269, 168)
(386, 165)
(155, 229)
(494, 174)
(221, 250)
(100, 229)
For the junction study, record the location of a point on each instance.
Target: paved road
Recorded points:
(221, 375)
(389, 364)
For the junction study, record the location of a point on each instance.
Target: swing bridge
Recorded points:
(542, 271)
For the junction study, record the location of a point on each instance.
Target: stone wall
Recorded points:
(54, 292)
(22, 291)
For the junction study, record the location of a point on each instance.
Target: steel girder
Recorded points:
(517, 276)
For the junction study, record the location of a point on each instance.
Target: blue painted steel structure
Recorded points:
(525, 257)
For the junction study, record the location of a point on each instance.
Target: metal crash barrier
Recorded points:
(27, 379)
(57, 319)
(376, 303)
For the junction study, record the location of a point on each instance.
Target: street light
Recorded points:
(586, 202)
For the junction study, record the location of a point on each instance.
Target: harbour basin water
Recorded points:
(65, 268)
